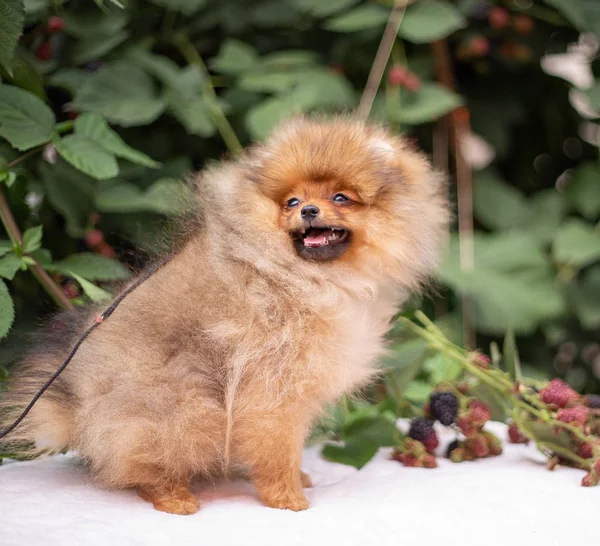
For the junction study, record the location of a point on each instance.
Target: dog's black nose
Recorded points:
(309, 211)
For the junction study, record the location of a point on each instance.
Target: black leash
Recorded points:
(99, 320)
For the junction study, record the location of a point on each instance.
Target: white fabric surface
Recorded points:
(507, 500)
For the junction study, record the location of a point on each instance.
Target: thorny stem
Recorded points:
(381, 58)
(36, 269)
(497, 380)
(191, 55)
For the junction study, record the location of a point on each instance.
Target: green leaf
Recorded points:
(187, 7)
(43, 256)
(429, 103)
(93, 267)
(583, 192)
(235, 57)
(32, 239)
(418, 392)
(188, 105)
(577, 243)
(441, 368)
(584, 14)
(431, 20)
(318, 90)
(9, 265)
(92, 291)
(586, 298)
(318, 8)
(12, 18)
(362, 439)
(5, 247)
(7, 310)
(547, 210)
(70, 193)
(97, 46)
(512, 284)
(71, 79)
(165, 196)
(95, 128)
(9, 179)
(87, 156)
(122, 92)
(360, 18)
(354, 452)
(496, 204)
(378, 429)
(25, 121)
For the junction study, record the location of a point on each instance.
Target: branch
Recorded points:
(381, 58)
(191, 55)
(459, 128)
(53, 290)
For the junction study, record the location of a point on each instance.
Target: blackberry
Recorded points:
(451, 447)
(444, 407)
(593, 401)
(421, 429)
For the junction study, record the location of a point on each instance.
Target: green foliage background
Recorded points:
(113, 104)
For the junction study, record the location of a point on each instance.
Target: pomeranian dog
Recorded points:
(276, 305)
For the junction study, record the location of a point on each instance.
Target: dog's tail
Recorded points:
(49, 426)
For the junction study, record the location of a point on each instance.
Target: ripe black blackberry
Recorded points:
(421, 429)
(444, 407)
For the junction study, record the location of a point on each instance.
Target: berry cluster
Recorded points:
(502, 36)
(44, 50)
(94, 239)
(444, 406)
(401, 76)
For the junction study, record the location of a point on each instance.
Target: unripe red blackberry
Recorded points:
(585, 450)
(397, 75)
(493, 442)
(94, 238)
(56, 24)
(498, 17)
(559, 393)
(577, 415)
(429, 461)
(477, 445)
(106, 250)
(479, 412)
(589, 480)
(44, 51)
(479, 46)
(523, 24)
(515, 435)
(444, 407)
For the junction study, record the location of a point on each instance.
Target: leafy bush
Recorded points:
(105, 107)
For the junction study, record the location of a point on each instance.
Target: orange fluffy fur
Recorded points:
(222, 359)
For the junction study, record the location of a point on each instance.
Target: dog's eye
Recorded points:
(293, 202)
(340, 198)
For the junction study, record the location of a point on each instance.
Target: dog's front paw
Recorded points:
(288, 501)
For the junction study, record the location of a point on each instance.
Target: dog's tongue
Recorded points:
(317, 237)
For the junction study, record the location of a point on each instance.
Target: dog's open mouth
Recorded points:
(322, 243)
(318, 237)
